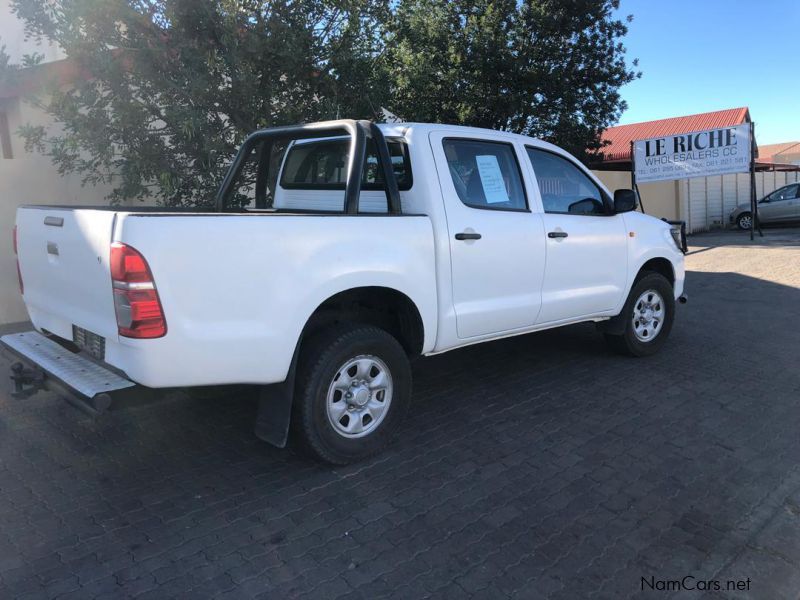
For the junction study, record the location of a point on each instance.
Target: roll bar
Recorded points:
(359, 132)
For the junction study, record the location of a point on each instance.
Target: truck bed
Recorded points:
(233, 286)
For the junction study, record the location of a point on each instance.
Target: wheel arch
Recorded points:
(384, 307)
(660, 265)
(654, 264)
(745, 213)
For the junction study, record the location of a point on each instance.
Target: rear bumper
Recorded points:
(40, 363)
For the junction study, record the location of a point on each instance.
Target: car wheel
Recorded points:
(353, 390)
(744, 221)
(648, 315)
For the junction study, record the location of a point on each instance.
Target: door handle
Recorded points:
(468, 236)
(557, 234)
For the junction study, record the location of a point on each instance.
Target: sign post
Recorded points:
(754, 222)
(634, 185)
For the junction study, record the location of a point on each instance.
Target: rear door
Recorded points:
(587, 252)
(64, 255)
(496, 242)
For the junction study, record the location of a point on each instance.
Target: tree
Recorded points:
(548, 68)
(173, 86)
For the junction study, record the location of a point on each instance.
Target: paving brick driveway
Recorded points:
(535, 467)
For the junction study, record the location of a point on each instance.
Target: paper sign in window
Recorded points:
(494, 187)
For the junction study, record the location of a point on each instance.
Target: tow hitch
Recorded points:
(25, 381)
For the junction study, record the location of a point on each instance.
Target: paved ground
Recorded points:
(536, 467)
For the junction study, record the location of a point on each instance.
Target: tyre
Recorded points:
(353, 390)
(648, 315)
(744, 221)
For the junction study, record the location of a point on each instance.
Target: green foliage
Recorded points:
(8, 71)
(547, 68)
(176, 84)
(173, 86)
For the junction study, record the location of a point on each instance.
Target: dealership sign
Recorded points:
(696, 154)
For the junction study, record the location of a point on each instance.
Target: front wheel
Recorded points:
(648, 315)
(353, 390)
(744, 221)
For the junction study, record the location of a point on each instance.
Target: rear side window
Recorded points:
(485, 174)
(322, 165)
(565, 189)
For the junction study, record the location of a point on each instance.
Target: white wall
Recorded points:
(659, 199)
(29, 179)
(12, 36)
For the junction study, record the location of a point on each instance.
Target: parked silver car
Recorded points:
(781, 206)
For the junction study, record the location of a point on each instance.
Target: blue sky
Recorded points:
(703, 55)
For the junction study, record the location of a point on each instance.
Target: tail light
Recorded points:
(16, 254)
(136, 302)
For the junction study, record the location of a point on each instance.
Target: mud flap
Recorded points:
(275, 409)
(613, 326)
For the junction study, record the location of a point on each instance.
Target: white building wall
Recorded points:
(12, 36)
(29, 178)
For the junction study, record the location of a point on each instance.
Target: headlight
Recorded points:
(677, 237)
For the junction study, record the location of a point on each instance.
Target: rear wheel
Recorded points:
(744, 221)
(648, 315)
(353, 390)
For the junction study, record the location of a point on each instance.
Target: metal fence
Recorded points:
(708, 201)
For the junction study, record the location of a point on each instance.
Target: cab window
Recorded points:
(485, 174)
(322, 165)
(564, 187)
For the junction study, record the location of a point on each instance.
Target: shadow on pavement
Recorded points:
(523, 462)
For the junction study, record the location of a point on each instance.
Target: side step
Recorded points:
(51, 366)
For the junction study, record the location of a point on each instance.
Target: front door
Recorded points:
(587, 254)
(780, 205)
(497, 250)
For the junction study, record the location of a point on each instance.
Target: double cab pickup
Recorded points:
(333, 254)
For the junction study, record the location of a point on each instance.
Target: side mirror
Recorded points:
(587, 206)
(624, 201)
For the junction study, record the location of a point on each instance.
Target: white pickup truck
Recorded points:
(335, 253)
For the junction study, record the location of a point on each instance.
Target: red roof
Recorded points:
(620, 137)
(770, 151)
(31, 79)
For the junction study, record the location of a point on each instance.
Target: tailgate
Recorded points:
(64, 260)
